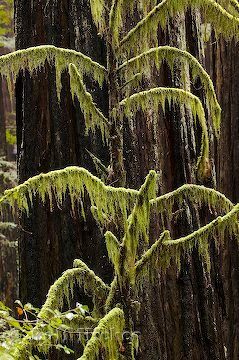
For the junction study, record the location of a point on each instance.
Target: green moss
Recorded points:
(149, 264)
(143, 63)
(98, 11)
(151, 99)
(197, 195)
(93, 116)
(62, 289)
(75, 181)
(146, 29)
(113, 249)
(34, 58)
(174, 249)
(106, 337)
(138, 226)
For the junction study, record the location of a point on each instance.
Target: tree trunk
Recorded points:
(51, 136)
(222, 61)
(181, 315)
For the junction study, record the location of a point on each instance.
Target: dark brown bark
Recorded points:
(51, 136)
(185, 315)
(222, 62)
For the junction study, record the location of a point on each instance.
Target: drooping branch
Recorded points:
(74, 181)
(143, 62)
(174, 249)
(92, 115)
(32, 59)
(151, 99)
(146, 29)
(62, 289)
(149, 264)
(110, 328)
(195, 194)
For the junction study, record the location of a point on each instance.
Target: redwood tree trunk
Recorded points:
(51, 136)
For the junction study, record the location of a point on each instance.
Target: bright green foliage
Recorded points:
(123, 213)
(146, 29)
(130, 267)
(33, 59)
(107, 336)
(93, 116)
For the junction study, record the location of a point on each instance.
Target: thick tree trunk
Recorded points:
(181, 315)
(222, 61)
(51, 136)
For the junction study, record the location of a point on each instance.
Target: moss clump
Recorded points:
(93, 116)
(107, 336)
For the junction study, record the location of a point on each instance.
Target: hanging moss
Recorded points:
(98, 11)
(174, 249)
(74, 181)
(146, 29)
(197, 195)
(143, 62)
(113, 249)
(106, 337)
(34, 58)
(151, 99)
(149, 264)
(62, 289)
(93, 116)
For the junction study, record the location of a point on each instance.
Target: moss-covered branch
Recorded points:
(138, 225)
(143, 62)
(231, 6)
(151, 99)
(106, 337)
(62, 289)
(32, 59)
(149, 263)
(146, 29)
(75, 181)
(93, 116)
(174, 249)
(113, 249)
(197, 195)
